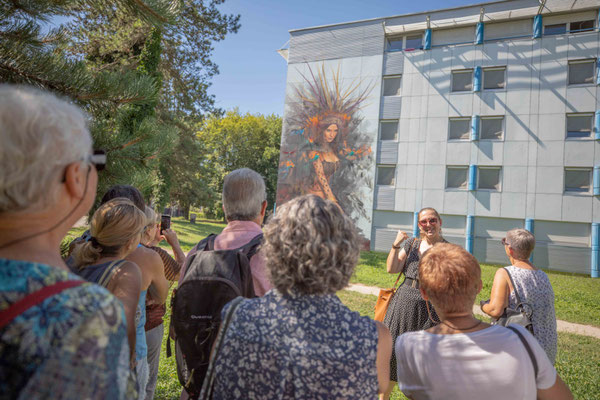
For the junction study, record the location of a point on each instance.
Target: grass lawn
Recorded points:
(577, 297)
(190, 234)
(577, 362)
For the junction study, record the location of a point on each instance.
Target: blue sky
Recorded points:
(252, 74)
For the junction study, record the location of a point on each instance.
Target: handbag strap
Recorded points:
(33, 299)
(207, 387)
(528, 348)
(514, 286)
(109, 272)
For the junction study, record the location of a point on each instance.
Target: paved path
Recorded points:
(562, 326)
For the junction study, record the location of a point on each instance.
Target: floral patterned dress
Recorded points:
(297, 347)
(72, 345)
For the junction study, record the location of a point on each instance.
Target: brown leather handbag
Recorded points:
(385, 295)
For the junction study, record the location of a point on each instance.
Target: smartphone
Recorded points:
(165, 222)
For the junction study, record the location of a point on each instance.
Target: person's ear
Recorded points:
(423, 294)
(76, 175)
(263, 208)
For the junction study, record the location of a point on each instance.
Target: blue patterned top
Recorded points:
(72, 345)
(304, 347)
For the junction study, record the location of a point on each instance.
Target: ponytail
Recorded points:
(85, 253)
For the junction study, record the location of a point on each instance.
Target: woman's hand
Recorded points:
(400, 238)
(171, 237)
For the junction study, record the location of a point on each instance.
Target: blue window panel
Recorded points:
(427, 44)
(595, 249)
(597, 125)
(537, 27)
(475, 128)
(470, 233)
(472, 177)
(477, 75)
(416, 224)
(596, 179)
(479, 33)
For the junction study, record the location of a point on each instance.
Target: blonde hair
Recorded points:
(151, 220)
(521, 241)
(311, 247)
(113, 225)
(450, 276)
(41, 134)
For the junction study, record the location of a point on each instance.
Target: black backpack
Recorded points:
(212, 279)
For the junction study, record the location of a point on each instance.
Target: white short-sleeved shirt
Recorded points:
(488, 364)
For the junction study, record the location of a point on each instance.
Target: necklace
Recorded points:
(461, 329)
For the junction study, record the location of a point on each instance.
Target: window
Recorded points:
(556, 29)
(414, 42)
(492, 128)
(388, 130)
(494, 78)
(462, 80)
(386, 175)
(456, 177)
(411, 42)
(578, 180)
(391, 86)
(488, 178)
(459, 129)
(581, 26)
(579, 125)
(581, 72)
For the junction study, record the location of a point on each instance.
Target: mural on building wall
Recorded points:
(323, 149)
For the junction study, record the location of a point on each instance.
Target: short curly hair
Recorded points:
(310, 246)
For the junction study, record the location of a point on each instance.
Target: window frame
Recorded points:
(390, 77)
(578, 192)
(386, 166)
(403, 40)
(570, 30)
(498, 68)
(581, 61)
(489, 167)
(457, 188)
(490, 117)
(590, 115)
(461, 71)
(389, 121)
(459, 118)
(566, 24)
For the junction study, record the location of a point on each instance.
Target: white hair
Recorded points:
(40, 135)
(243, 194)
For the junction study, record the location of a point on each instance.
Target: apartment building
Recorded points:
(488, 113)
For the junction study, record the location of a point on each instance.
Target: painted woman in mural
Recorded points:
(323, 150)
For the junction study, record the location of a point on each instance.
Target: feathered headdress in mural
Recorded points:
(312, 107)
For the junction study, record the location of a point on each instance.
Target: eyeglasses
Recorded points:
(97, 159)
(504, 242)
(430, 221)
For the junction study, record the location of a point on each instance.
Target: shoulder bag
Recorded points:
(521, 315)
(385, 295)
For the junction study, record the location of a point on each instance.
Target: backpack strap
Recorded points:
(207, 244)
(251, 248)
(528, 348)
(33, 299)
(109, 272)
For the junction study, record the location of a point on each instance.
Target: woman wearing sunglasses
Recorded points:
(407, 311)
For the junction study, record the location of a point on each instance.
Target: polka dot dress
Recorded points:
(407, 311)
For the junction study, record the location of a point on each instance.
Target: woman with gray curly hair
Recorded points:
(59, 337)
(299, 340)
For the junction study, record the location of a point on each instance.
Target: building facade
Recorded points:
(488, 113)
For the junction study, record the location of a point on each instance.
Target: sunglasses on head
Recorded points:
(430, 221)
(97, 159)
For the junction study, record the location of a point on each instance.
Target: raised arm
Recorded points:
(171, 238)
(397, 256)
(499, 296)
(126, 286)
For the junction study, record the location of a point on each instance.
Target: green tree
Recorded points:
(235, 141)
